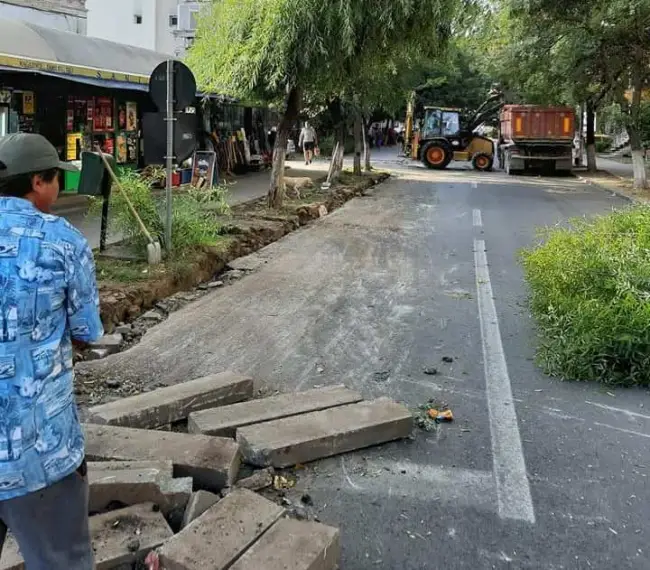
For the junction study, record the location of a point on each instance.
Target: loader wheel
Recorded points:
(482, 162)
(436, 156)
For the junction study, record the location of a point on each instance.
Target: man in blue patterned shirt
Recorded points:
(48, 299)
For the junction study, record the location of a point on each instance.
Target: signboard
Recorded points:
(203, 167)
(184, 86)
(69, 69)
(28, 102)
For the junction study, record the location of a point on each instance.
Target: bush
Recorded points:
(328, 143)
(590, 293)
(603, 145)
(194, 214)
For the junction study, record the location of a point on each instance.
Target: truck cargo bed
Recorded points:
(537, 124)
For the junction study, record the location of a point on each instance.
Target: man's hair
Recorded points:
(21, 185)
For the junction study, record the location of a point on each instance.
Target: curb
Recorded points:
(618, 193)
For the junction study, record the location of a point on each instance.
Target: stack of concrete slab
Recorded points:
(150, 476)
(291, 429)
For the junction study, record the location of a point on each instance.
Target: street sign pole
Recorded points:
(169, 154)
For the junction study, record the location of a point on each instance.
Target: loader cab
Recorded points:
(440, 122)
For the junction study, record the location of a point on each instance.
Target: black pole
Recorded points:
(104, 228)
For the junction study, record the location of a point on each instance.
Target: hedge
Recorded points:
(590, 295)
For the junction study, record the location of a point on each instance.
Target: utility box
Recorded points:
(95, 179)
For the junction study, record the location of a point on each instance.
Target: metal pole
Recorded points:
(170, 153)
(104, 226)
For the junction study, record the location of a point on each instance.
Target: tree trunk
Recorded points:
(366, 148)
(338, 160)
(358, 143)
(276, 188)
(633, 127)
(591, 138)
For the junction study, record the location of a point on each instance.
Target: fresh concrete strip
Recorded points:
(304, 438)
(119, 537)
(213, 462)
(296, 545)
(225, 421)
(130, 483)
(222, 534)
(174, 403)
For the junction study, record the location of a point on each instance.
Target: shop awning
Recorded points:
(28, 47)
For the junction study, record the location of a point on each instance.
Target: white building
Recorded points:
(61, 15)
(164, 26)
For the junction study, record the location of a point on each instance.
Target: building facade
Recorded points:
(164, 26)
(61, 15)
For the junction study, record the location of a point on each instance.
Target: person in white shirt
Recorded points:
(308, 141)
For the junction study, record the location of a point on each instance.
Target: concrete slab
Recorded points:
(222, 534)
(213, 462)
(199, 502)
(173, 403)
(304, 438)
(257, 481)
(296, 545)
(225, 421)
(130, 483)
(119, 537)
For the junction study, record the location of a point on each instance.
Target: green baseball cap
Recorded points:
(25, 153)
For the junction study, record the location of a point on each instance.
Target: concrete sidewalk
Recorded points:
(244, 188)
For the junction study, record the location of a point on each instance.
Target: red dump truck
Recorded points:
(536, 137)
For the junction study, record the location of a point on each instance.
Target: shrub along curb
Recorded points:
(590, 292)
(248, 231)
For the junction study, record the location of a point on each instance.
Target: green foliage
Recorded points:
(328, 143)
(590, 293)
(194, 221)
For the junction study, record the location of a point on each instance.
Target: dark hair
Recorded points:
(21, 185)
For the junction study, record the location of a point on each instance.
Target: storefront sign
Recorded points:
(69, 69)
(28, 103)
(131, 116)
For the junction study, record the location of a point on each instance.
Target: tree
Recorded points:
(577, 52)
(281, 50)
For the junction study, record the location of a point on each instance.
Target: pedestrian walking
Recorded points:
(308, 141)
(48, 300)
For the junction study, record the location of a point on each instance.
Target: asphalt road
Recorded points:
(533, 474)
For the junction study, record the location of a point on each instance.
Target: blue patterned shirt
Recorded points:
(48, 295)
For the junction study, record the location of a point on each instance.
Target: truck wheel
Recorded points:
(482, 162)
(436, 155)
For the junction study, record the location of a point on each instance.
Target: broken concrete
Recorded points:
(296, 545)
(304, 438)
(173, 403)
(119, 537)
(199, 502)
(213, 462)
(222, 534)
(109, 342)
(133, 482)
(257, 481)
(225, 421)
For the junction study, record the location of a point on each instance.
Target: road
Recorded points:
(533, 474)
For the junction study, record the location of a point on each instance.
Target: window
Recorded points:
(451, 123)
(137, 18)
(173, 21)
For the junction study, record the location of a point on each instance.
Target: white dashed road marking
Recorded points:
(513, 488)
(477, 219)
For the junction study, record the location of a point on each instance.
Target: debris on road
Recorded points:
(187, 482)
(447, 359)
(174, 403)
(225, 420)
(307, 437)
(429, 415)
(430, 371)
